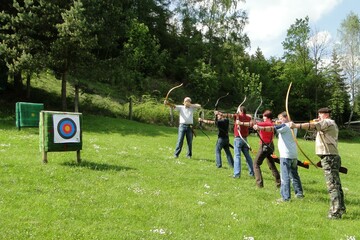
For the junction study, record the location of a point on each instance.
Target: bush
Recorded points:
(348, 134)
(151, 110)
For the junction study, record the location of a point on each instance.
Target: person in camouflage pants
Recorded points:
(326, 148)
(331, 165)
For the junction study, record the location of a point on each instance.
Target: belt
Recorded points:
(329, 155)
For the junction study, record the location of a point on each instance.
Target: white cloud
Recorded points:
(269, 20)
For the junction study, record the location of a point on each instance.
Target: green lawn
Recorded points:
(129, 186)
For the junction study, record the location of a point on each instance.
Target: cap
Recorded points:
(324, 110)
(187, 99)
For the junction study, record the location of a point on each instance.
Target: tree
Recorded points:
(71, 50)
(299, 67)
(204, 80)
(212, 32)
(337, 90)
(143, 55)
(18, 44)
(319, 43)
(349, 51)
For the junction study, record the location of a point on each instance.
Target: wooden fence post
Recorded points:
(130, 108)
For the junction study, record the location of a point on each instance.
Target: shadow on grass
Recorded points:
(97, 166)
(203, 159)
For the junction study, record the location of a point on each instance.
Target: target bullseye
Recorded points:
(66, 128)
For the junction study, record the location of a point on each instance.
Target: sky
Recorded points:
(269, 20)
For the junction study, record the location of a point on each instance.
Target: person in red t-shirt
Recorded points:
(240, 143)
(266, 149)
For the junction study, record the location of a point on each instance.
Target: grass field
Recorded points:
(129, 186)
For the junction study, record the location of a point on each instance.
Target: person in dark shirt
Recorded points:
(223, 139)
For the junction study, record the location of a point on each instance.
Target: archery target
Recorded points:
(66, 128)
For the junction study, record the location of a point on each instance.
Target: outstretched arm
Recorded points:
(306, 126)
(246, 124)
(265, 129)
(167, 103)
(206, 121)
(227, 115)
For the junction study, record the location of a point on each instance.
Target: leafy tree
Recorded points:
(339, 98)
(143, 55)
(71, 50)
(319, 45)
(299, 68)
(204, 81)
(270, 84)
(20, 45)
(212, 32)
(349, 52)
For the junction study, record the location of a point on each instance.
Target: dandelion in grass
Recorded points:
(179, 162)
(122, 153)
(136, 190)
(248, 238)
(157, 192)
(350, 237)
(160, 231)
(234, 216)
(96, 147)
(3, 146)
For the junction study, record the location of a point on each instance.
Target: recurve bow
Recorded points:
(238, 127)
(202, 116)
(166, 99)
(292, 130)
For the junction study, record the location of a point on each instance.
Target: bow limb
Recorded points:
(292, 130)
(257, 109)
(167, 95)
(216, 108)
(166, 99)
(217, 101)
(202, 116)
(238, 127)
(238, 109)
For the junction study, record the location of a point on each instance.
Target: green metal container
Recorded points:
(27, 114)
(60, 131)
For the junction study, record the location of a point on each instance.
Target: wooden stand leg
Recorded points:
(45, 157)
(78, 156)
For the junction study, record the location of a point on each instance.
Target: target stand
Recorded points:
(60, 131)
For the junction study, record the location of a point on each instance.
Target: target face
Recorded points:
(66, 128)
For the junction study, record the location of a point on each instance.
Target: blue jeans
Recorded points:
(223, 143)
(241, 146)
(184, 130)
(288, 172)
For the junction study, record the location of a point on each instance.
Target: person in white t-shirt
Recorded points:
(186, 120)
(288, 159)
